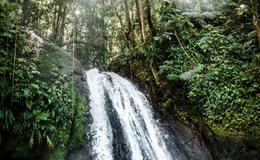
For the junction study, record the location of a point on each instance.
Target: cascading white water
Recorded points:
(123, 126)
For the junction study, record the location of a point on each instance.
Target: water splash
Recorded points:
(123, 126)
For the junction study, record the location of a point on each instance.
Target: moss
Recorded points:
(53, 56)
(57, 154)
(18, 148)
(227, 134)
(252, 137)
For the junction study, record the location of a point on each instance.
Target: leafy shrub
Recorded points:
(36, 113)
(228, 93)
(209, 71)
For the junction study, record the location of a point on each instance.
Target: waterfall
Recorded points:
(123, 126)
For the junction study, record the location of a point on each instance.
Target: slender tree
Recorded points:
(60, 13)
(149, 17)
(130, 32)
(26, 12)
(140, 14)
(256, 19)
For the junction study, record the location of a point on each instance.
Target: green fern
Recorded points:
(189, 75)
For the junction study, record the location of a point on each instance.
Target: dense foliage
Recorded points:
(218, 68)
(33, 112)
(208, 68)
(199, 60)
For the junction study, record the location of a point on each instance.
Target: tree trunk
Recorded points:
(59, 22)
(256, 6)
(56, 31)
(62, 25)
(130, 32)
(258, 32)
(149, 17)
(125, 35)
(26, 12)
(155, 75)
(54, 23)
(139, 7)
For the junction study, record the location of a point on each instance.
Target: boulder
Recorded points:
(51, 56)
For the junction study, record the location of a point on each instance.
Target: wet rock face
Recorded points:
(187, 140)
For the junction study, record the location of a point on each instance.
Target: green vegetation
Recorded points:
(35, 113)
(219, 71)
(200, 65)
(208, 70)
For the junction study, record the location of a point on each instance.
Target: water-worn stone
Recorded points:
(187, 140)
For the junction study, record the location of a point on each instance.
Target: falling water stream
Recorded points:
(123, 126)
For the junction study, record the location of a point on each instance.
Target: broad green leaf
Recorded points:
(49, 143)
(35, 86)
(172, 77)
(42, 116)
(156, 38)
(29, 104)
(31, 141)
(1, 114)
(5, 34)
(191, 73)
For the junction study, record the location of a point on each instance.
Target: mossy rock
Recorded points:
(52, 56)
